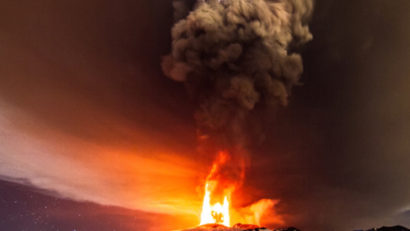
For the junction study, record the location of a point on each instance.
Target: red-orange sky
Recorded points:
(86, 113)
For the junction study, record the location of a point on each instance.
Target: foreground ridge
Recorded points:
(245, 227)
(385, 228)
(237, 227)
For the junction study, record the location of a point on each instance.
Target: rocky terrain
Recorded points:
(242, 227)
(393, 228)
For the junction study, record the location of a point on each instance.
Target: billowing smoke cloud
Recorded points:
(236, 56)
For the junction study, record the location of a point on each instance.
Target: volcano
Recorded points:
(241, 227)
(237, 227)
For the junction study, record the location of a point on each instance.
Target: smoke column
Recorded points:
(236, 57)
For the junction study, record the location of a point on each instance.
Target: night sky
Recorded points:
(93, 136)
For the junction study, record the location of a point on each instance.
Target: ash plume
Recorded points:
(237, 56)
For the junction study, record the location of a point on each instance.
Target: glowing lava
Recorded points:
(218, 212)
(214, 213)
(226, 175)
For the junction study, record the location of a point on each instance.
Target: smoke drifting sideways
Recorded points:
(235, 57)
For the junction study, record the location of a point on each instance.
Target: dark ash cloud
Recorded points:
(234, 56)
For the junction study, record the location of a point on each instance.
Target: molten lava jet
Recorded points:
(225, 177)
(214, 213)
(218, 212)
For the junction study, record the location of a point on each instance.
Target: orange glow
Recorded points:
(216, 213)
(225, 176)
(258, 213)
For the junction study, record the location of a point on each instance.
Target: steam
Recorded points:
(236, 56)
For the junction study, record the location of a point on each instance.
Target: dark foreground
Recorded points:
(240, 227)
(393, 228)
(244, 228)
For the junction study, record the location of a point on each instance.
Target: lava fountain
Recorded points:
(218, 212)
(225, 176)
(214, 213)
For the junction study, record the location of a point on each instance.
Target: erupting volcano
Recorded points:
(238, 61)
(204, 115)
(220, 184)
(216, 213)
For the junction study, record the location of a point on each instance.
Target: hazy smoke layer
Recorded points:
(234, 56)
